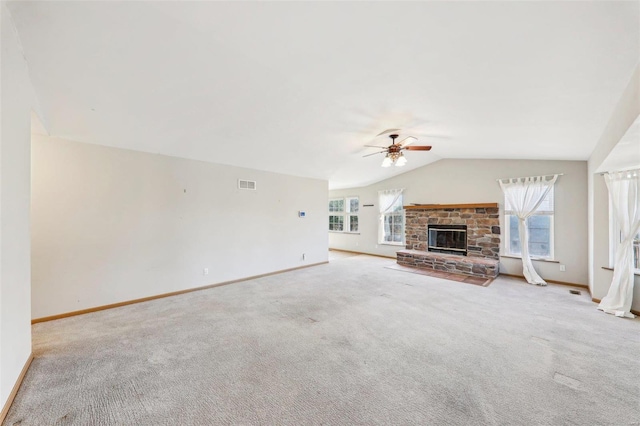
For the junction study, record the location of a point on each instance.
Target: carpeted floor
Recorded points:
(350, 342)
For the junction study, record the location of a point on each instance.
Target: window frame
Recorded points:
(346, 214)
(614, 239)
(507, 232)
(401, 213)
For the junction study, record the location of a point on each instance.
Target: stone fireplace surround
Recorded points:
(483, 238)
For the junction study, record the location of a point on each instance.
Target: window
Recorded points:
(353, 205)
(540, 225)
(391, 217)
(343, 214)
(616, 238)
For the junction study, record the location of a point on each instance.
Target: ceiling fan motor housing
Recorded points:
(394, 147)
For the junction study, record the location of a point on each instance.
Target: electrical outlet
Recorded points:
(205, 271)
(563, 268)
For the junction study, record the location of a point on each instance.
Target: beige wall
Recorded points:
(624, 115)
(16, 105)
(111, 225)
(474, 181)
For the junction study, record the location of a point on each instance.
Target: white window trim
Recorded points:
(346, 214)
(391, 243)
(336, 213)
(614, 235)
(381, 240)
(552, 232)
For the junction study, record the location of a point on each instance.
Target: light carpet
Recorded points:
(350, 342)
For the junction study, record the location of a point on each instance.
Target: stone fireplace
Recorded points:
(457, 238)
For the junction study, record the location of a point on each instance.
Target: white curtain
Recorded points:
(523, 196)
(387, 199)
(624, 193)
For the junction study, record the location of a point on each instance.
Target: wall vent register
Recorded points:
(247, 184)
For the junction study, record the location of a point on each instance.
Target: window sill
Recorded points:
(537, 259)
(392, 244)
(635, 272)
(344, 232)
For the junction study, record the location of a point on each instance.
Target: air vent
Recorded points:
(247, 184)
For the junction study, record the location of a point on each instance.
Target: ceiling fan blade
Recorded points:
(417, 148)
(407, 141)
(376, 146)
(432, 135)
(387, 132)
(374, 153)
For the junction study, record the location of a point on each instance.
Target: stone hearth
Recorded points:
(483, 238)
(475, 266)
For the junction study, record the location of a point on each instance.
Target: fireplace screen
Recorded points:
(448, 239)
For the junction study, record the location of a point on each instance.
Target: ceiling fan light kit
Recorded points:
(396, 158)
(394, 153)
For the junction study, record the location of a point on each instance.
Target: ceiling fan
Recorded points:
(394, 151)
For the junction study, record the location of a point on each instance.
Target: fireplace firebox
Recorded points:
(451, 239)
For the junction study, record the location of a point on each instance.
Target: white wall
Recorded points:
(111, 225)
(474, 181)
(17, 100)
(622, 118)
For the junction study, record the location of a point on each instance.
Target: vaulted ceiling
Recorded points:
(300, 87)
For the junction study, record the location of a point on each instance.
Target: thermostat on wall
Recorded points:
(302, 214)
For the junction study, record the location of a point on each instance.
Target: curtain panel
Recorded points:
(624, 193)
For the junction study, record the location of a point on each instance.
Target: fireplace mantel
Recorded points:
(451, 206)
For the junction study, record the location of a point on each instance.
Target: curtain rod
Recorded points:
(619, 171)
(525, 177)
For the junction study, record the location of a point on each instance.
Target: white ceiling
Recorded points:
(299, 88)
